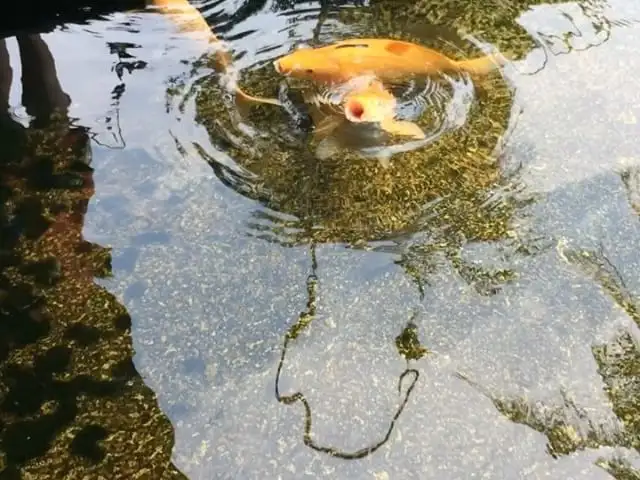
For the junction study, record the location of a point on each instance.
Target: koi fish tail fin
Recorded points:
(482, 65)
(403, 128)
(185, 16)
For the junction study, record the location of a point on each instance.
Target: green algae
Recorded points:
(567, 426)
(350, 198)
(408, 343)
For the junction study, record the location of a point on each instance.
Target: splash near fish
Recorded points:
(387, 59)
(343, 114)
(376, 104)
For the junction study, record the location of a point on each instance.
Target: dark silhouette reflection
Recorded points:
(249, 8)
(618, 364)
(71, 399)
(407, 344)
(39, 17)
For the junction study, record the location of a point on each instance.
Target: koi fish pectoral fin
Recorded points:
(264, 100)
(402, 127)
(327, 144)
(384, 162)
(244, 102)
(327, 148)
(243, 105)
(326, 126)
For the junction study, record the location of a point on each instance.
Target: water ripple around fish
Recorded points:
(269, 153)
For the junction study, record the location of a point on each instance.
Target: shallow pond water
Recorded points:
(469, 311)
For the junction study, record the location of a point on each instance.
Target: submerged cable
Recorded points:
(304, 320)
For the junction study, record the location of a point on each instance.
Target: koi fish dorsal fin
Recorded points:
(397, 48)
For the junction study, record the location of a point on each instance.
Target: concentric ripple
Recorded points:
(269, 153)
(438, 104)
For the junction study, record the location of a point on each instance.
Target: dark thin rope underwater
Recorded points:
(305, 320)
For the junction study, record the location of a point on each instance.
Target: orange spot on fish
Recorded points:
(397, 48)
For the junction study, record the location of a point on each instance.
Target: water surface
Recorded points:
(482, 285)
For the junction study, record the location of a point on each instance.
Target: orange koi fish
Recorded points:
(363, 100)
(360, 100)
(189, 19)
(387, 59)
(376, 104)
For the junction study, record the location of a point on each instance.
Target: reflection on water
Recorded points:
(72, 399)
(471, 308)
(568, 426)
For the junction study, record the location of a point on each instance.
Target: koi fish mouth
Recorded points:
(282, 70)
(354, 111)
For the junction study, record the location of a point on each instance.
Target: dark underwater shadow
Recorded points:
(71, 399)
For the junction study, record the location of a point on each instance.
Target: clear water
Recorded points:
(509, 248)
